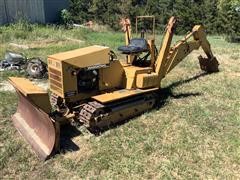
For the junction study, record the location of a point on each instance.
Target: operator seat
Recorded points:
(136, 45)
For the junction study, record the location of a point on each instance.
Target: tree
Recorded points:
(80, 10)
(219, 16)
(230, 15)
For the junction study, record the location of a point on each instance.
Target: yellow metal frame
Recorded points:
(34, 93)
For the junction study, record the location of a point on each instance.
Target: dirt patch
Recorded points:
(234, 74)
(44, 43)
(6, 86)
(49, 42)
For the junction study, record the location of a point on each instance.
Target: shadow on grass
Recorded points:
(164, 96)
(67, 133)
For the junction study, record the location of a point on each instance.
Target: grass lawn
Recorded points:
(195, 133)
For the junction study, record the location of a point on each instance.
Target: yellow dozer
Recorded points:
(92, 87)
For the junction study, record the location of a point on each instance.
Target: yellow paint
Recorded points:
(120, 94)
(84, 57)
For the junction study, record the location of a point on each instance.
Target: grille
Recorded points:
(55, 80)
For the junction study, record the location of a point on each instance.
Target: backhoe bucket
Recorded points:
(32, 120)
(208, 65)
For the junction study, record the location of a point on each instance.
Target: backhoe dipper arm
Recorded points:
(169, 57)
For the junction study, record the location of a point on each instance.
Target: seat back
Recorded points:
(136, 45)
(140, 43)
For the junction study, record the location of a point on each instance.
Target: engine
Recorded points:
(87, 80)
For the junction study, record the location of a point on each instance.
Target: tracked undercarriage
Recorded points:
(95, 115)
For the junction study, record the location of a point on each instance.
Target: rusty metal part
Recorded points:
(208, 65)
(35, 126)
(89, 111)
(54, 100)
(36, 68)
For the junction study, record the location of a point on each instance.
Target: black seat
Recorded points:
(136, 45)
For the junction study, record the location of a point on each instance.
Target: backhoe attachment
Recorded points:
(32, 117)
(169, 56)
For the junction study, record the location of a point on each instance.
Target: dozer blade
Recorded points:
(31, 121)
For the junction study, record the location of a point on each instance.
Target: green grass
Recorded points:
(194, 134)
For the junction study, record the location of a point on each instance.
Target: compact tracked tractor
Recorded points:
(92, 87)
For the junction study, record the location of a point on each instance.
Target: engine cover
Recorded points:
(74, 74)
